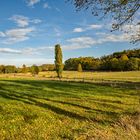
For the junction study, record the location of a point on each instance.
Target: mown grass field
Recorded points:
(32, 109)
(132, 76)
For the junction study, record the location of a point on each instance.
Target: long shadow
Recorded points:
(121, 84)
(89, 109)
(73, 87)
(85, 107)
(68, 103)
(20, 97)
(44, 105)
(107, 102)
(36, 86)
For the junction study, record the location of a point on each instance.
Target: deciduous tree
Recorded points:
(121, 12)
(34, 70)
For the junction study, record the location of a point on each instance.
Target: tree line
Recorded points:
(26, 69)
(119, 61)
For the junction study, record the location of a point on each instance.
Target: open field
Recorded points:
(41, 109)
(133, 76)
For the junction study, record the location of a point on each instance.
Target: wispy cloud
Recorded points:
(23, 21)
(36, 50)
(88, 42)
(57, 31)
(87, 28)
(2, 34)
(17, 35)
(94, 26)
(46, 6)
(27, 50)
(78, 30)
(57, 9)
(32, 2)
(27, 61)
(9, 50)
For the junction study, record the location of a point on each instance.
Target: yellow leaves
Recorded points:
(123, 2)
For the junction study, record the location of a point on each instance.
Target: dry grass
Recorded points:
(132, 76)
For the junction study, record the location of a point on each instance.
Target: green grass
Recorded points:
(40, 110)
(130, 76)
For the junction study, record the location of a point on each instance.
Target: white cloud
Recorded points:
(78, 30)
(94, 26)
(17, 35)
(36, 21)
(32, 2)
(2, 34)
(57, 9)
(26, 61)
(46, 6)
(131, 28)
(87, 28)
(9, 50)
(113, 38)
(27, 50)
(20, 20)
(36, 50)
(58, 32)
(82, 40)
(23, 21)
(87, 42)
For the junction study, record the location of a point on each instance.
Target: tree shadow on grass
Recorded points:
(13, 95)
(74, 88)
(31, 94)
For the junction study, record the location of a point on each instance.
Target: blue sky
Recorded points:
(29, 30)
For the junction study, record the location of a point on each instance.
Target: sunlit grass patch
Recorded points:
(36, 109)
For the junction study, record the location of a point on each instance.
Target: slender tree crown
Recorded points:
(58, 60)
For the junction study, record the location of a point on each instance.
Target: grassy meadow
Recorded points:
(132, 76)
(32, 108)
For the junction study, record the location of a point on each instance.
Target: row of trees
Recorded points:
(118, 61)
(25, 69)
(13, 69)
(36, 69)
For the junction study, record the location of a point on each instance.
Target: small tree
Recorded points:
(24, 69)
(2, 69)
(124, 62)
(58, 60)
(34, 70)
(79, 68)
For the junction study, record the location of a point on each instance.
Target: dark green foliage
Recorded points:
(58, 60)
(34, 70)
(24, 69)
(79, 68)
(134, 64)
(2, 69)
(47, 67)
(118, 61)
(88, 63)
(10, 69)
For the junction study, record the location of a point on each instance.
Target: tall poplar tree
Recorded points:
(58, 60)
